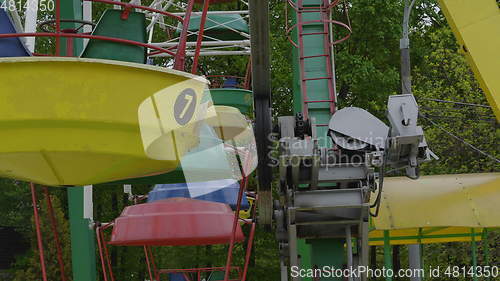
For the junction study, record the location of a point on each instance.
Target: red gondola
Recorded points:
(175, 222)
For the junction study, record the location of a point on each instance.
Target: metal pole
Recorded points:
(53, 223)
(31, 15)
(363, 248)
(348, 239)
(421, 249)
(474, 252)
(101, 255)
(387, 253)
(38, 231)
(404, 46)
(181, 51)
(146, 253)
(106, 252)
(82, 235)
(414, 260)
(243, 186)
(292, 248)
(486, 247)
(249, 251)
(242, 12)
(284, 271)
(199, 40)
(58, 27)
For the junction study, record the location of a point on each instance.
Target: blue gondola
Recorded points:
(10, 47)
(222, 191)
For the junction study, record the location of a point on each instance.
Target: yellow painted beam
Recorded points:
(464, 200)
(476, 24)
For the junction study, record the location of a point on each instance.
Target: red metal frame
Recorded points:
(39, 235)
(129, 6)
(248, 75)
(199, 40)
(87, 36)
(36, 216)
(181, 50)
(147, 254)
(103, 251)
(55, 232)
(179, 55)
(198, 272)
(155, 274)
(243, 186)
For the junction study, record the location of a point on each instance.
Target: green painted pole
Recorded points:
(387, 253)
(474, 252)
(79, 198)
(486, 247)
(421, 250)
(71, 9)
(82, 234)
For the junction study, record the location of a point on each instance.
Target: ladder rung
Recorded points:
(312, 33)
(319, 78)
(311, 11)
(317, 101)
(308, 8)
(315, 56)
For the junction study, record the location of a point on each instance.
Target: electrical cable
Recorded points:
(457, 102)
(487, 120)
(451, 109)
(461, 140)
(378, 200)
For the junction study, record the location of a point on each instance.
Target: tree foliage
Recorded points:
(367, 72)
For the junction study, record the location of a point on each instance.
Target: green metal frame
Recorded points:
(387, 252)
(71, 9)
(322, 251)
(473, 234)
(420, 237)
(82, 235)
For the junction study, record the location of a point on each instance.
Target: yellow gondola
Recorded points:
(70, 121)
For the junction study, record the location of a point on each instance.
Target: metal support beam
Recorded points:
(292, 246)
(387, 253)
(474, 253)
(348, 239)
(404, 45)
(71, 9)
(30, 23)
(79, 198)
(486, 247)
(363, 248)
(414, 260)
(82, 235)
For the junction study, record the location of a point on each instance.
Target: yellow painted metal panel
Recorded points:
(425, 235)
(69, 121)
(476, 24)
(464, 200)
